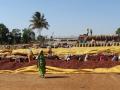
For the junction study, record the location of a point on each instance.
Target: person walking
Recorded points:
(50, 51)
(86, 58)
(115, 57)
(30, 55)
(42, 64)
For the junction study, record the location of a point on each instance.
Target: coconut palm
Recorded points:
(39, 22)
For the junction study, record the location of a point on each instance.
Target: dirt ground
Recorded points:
(60, 82)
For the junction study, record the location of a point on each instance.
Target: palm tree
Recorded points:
(39, 22)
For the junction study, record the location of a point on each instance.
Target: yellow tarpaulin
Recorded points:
(55, 70)
(72, 51)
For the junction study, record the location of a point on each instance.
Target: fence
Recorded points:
(97, 44)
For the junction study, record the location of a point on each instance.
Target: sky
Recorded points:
(65, 17)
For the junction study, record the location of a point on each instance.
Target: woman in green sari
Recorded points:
(41, 64)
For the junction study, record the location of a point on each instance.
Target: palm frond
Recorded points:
(38, 21)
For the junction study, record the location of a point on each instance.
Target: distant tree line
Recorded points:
(26, 35)
(16, 36)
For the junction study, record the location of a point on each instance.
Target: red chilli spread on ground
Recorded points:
(72, 64)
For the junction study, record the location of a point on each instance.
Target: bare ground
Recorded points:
(60, 82)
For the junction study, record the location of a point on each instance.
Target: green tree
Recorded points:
(41, 39)
(28, 35)
(10, 38)
(118, 31)
(39, 22)
(3, 34)
(32, 36)
(16, 33)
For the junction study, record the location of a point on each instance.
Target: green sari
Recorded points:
(41, 64)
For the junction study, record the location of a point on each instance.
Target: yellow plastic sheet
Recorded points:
(55, 70)
(73, 50)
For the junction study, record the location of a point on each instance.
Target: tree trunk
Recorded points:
(39, 32)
